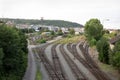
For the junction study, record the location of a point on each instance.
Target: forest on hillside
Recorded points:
(59, 23)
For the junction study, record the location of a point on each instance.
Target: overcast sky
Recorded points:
(78, 11)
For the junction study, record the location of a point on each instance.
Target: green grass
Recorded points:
(72, 39)
(38, 75)
(110, 69)
(107, 67)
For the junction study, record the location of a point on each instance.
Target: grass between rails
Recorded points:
(38, 75)
(73, 39)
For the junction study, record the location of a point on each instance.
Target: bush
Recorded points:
(103, 49)
(13, 53)
(60, 32)
(92, 42)
(115, 56)
(72, 31)
(69, 36)
(42, 41)
(116, 60)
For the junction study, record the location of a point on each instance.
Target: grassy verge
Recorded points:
(72, 39)
(106, 67)
(110, 70)
(38, 75)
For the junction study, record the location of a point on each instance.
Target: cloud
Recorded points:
(71, 10)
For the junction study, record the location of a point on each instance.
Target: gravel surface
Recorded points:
(31, 69)
(35, 64)
(80, 66)
(79, 51)
(48, 53)
(43, 71)
(65, 66)
(41, 67)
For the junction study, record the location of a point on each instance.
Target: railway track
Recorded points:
(77, 73)
(56, 72)
(50, 70)
(57, 65)
(93, 64)
(89, 66)
(73, 51)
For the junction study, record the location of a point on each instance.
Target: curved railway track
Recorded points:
(57, 64)
(90, 60)
(87, 64)
(56, 72)
(77, 73)
(50, 70)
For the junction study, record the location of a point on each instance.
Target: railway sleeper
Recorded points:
(55, 57)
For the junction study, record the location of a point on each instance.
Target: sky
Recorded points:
(80, 11)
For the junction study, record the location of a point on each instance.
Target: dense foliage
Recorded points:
(115, 56)
(103, 49)
(59, 23)
(93, 30)
(60, 32)
(94, 33)
(72, 31)
(13, 53)
(27, 30)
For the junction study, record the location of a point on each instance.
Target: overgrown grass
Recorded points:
(110, 69)
(38, 75)
(72, 39)
(41, 41)
(106, 67)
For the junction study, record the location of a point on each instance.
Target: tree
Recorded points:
(106, 31)
(60, 32)
(115, 56)
(1, 57)
(72, 31)
(116, 60)
(117, 47)
(93, 29)
(52, 33)
(92, 42)
(103, 49)
(13, 49)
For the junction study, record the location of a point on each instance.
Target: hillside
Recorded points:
(59, 23)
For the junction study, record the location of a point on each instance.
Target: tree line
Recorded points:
(59, 23)
(13, 53)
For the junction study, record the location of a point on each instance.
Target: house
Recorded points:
(53, 28)
(65, 30)
(79, 30)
